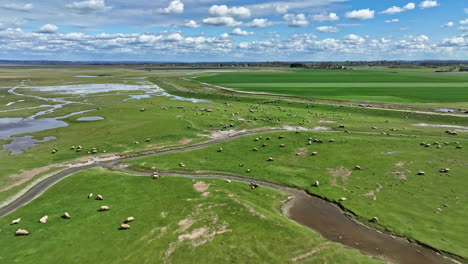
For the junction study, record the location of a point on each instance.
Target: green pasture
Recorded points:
(174, 223)
(430, 208)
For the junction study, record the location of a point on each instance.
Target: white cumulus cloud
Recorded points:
(397, 9)
(325, 17)
(328, 29)
(428, 4)
(240, 32)
(175, 7)
(464, 21)
(48, 29)
(191, 24)
(224, 11)
(259, 23)
(449, 24)
(221, 21)
(298, 20)
(89, 6)
(282, 9)
(395, 20)
(362, 14)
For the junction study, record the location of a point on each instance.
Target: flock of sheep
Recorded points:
(66, 215)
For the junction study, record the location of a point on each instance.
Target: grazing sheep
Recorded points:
(241, 165)
(421, 173)
(104, 208)
(281, 137)
(228, 181)
(309, 143)
(254, 185)
(220, 149)
(357, 167)
(374, 219)
(142, 109)
(264, 145)
(155, 175)
(268, 138)
(255, 149)
(43, 220)
(374, 127)
(316, 183)
(331, 140)
(444, 170)
(282, 146)
(124, 226)
(342, 199)
(54, 151)
(90, 195)
(248, 170)
(72, 147)
(256, 139)
(271, 159)
(182, 164)
(423, 143)
(136, 142)
(16, 221)
(99, 197)
(459, 147)
(342, 126)
(21, 232)
(130, 219)
(314, 153)
(66, 215)
(94, 151)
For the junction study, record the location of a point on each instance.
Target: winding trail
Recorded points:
(322, 216)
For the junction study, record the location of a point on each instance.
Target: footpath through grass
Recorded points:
(430, 208)
(357, 85)
(177, 220)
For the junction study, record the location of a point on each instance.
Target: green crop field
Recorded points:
(356, 85)
(174, 223)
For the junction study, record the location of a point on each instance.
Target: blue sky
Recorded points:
(233, 30)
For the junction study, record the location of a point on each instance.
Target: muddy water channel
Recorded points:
(332, 223)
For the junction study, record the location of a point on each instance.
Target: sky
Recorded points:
(233, 30)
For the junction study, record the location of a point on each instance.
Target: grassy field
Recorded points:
(429, 208)
(356, 85)
(229, 224)
(438, 201)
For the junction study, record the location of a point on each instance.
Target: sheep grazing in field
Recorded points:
(282, 146)
(444, 170)
(43, 219)
(264, 145)
(90, 195)
(21, 232)
(421, 173)
(79, 149)
(220, 149)
(254, 185)
(256, 139)
(459, 147)
(142, 109)
(270, 159)
(148, 140)
(241, 165)
(124, 226)
(281, 137)
(182, 165)
(136, 142)
(331, 140)
(268, 138)
(66, 215)
(446, 143)
(342, 199)
(99, 197)
(342, 126)
(72, 147)
(104, 208)
(374, 127)
(316, 183)
(309, 143)
(374, 219)
(155, 175)
(357, 167)
(255, 149)
(248, 170)
(314, 153)
(423, 143)
(54, 151)
(228, 181)
(129, 219)
(16, 221)
(94, 150)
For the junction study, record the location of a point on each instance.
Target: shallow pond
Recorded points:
(20, 144)
(90, 118)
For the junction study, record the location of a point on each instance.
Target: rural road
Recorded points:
(322, 216)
